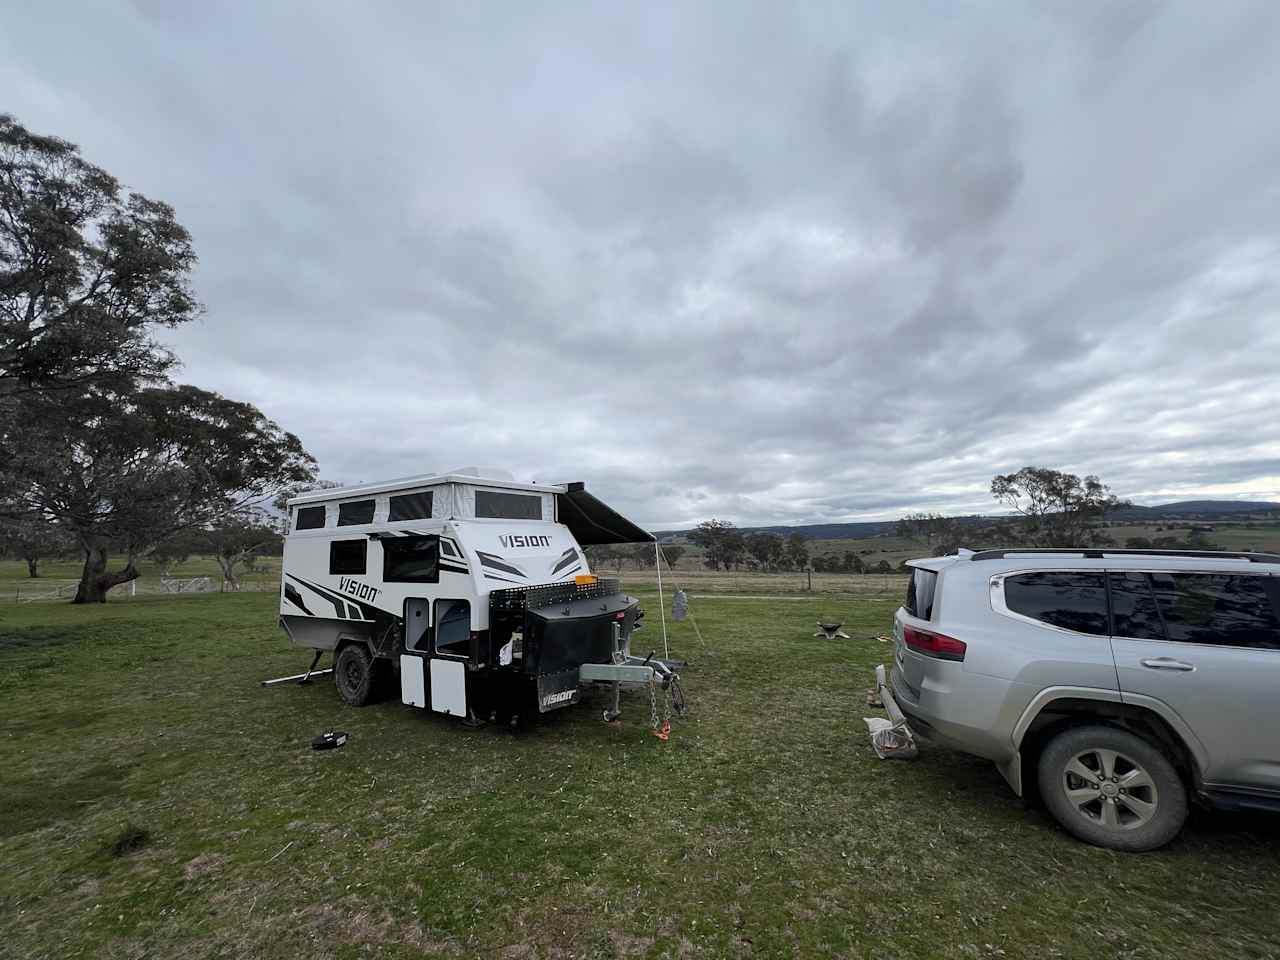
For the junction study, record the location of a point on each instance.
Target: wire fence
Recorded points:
(37, 590)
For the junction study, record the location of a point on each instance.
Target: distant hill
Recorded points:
(859, 530)
(1189, 509)
(865, 529)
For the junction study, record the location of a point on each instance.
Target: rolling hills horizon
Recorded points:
(1189, 510)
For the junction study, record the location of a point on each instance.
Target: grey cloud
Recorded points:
(776, 265)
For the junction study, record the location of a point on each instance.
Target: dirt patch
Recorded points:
(373, 928)
(203, 865)
(626, 945)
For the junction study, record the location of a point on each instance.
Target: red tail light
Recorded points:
(933, 644)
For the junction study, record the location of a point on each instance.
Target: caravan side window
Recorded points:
(508, 506)
(411, 559)
(410, 506)
(355, 511)
(348, 556)
(309, 518)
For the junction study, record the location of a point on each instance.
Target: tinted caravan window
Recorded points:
(920, 593)
(309, 518)
(355, 511)
(1226, 609)
(1073, 600)
(411, 506)
(348, 556)
(508, 506)
(411, 559)
(453, 628)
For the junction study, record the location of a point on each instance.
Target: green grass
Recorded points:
(158, 802)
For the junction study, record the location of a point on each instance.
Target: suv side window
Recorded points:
(1134, 614)
(1224, 609)
(1070, 599)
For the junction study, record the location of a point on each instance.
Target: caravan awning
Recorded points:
(592, 522)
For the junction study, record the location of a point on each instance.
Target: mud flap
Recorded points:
(556, 690)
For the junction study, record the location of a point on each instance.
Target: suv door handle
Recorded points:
(1167, 663)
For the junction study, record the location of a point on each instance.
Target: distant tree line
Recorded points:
(638, 555)
(1048, 508)
(100, 452)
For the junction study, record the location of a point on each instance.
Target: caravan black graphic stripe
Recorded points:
(569, 573)
(381, 618)
(568, 557)
(333, 598)
(293, 596)
(497, 563)
(450, 568)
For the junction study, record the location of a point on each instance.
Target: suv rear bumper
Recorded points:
(980, 741)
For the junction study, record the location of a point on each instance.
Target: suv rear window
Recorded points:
(1134, 614)
(920, 589)
(1218, 608)
(1070, 599)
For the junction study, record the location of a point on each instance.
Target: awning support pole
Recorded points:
(662, 604)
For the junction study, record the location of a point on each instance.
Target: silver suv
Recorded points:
(1117, 683)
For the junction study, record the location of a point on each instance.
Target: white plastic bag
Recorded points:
(891, 741)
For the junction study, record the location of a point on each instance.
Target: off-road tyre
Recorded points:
(354, 675)
(1147, 797)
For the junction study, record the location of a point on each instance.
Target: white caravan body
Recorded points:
(413, 570)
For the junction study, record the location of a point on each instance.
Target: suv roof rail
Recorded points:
(1098, 553)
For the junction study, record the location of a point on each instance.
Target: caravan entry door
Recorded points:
(417, 648)
(451, 647)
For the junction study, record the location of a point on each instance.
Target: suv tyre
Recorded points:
(1112, 789)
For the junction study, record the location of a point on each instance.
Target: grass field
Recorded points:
(766, 827)
(15, 585)
(63, 575)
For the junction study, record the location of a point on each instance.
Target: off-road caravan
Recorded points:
(469, 590)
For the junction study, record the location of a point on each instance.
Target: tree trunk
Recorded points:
(228, 565)
(96, 580)
(33, 564)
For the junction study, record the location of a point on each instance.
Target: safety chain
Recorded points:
(653, 704)
(672, 701)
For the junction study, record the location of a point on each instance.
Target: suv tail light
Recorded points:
(933, 644)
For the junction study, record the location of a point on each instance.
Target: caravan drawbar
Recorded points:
(469, 590)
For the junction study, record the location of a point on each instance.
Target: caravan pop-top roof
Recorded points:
(426, 480)
(588, 519)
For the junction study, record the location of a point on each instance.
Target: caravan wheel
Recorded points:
(353, 674)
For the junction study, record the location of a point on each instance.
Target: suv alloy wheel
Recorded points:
(1112, 788)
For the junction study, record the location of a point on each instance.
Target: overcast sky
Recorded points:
(773, 265)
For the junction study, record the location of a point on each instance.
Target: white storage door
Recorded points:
(449, 687)
(413, 688)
